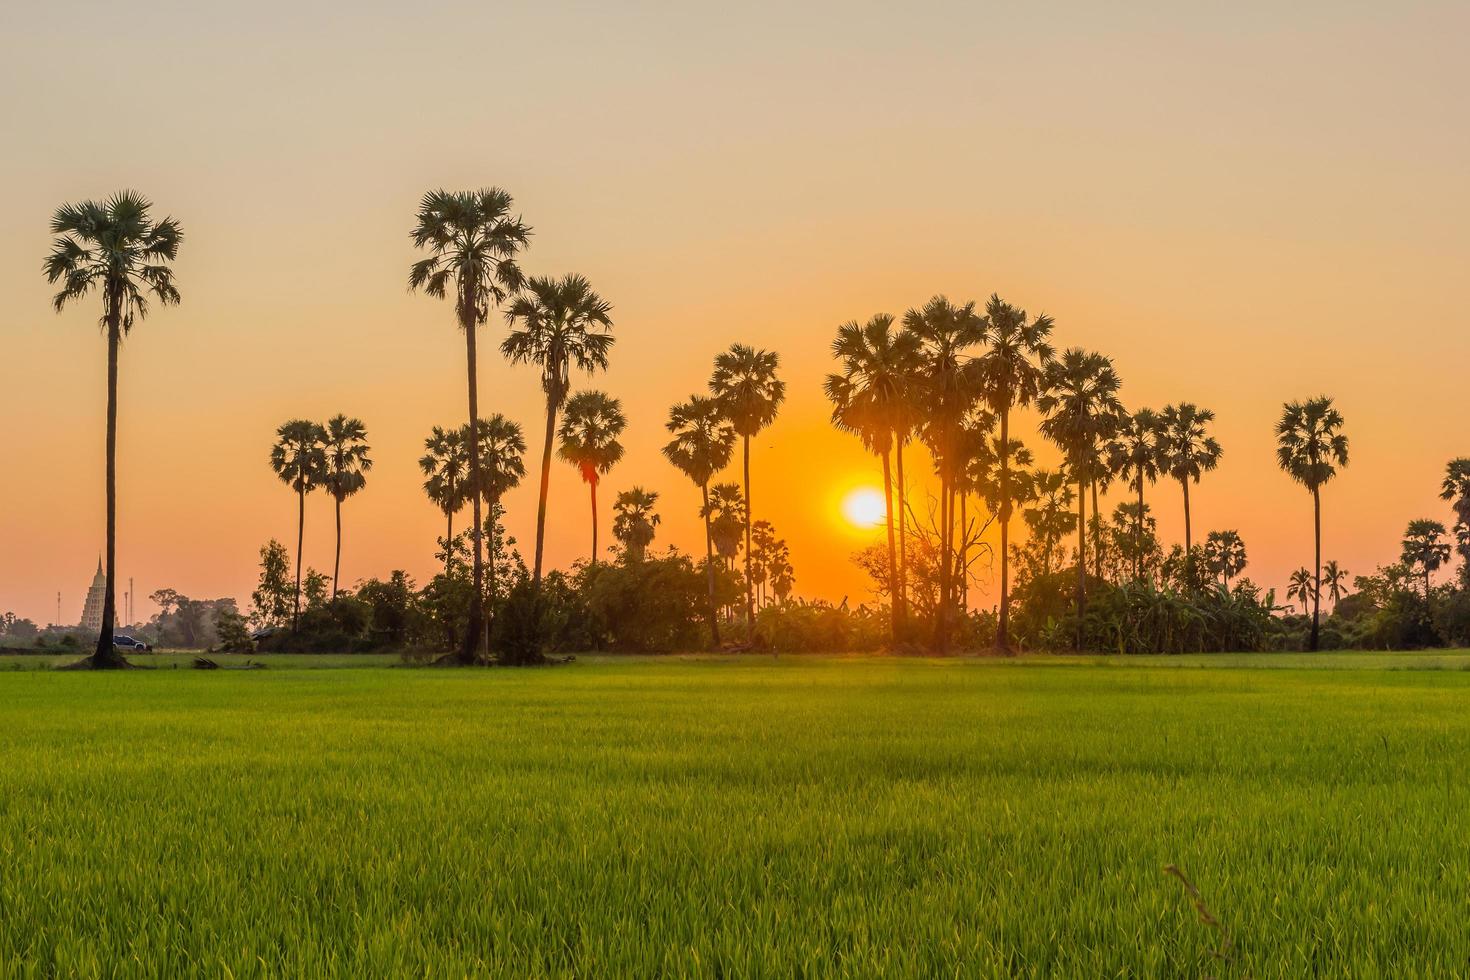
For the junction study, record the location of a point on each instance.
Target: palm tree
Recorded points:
(1456, 488)
(502, 467)
(947, 386)
(115, 248)
(869, 398)
(1425, 547)
(745, 384)
(635, 521)
(589, 441)
(1052, 516)
(1011, 372)
(1187, 452)
(473, 241)
(445, 463)
(1134, 454)
(1310, 447)
(347, 462)
(556, 325)
(703, 442)
(1301, 587)
(1081, 407)
(1334, 580)
(300, 460)
(1225, 555)
(725, 514)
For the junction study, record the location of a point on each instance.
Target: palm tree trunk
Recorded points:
(1097, 540)
(941, 612)
(1138, 535)
(1188, 540)
(592, 484)
(1081, 556)
(893, 586)
(545, 487)
(749, 581)
(964, 557)
(1317, 557)
(903, 583)
(106, 655)
(709, 567)
(337, 561)
(1002, 632)
(448, 538)
(470, 651)
(300, 537)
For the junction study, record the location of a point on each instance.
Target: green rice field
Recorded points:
(739, 817)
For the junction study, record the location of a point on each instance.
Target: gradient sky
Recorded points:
(1239, 203)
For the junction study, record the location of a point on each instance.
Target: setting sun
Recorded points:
(864, 507)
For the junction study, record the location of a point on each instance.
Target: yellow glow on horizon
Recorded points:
(864, 507)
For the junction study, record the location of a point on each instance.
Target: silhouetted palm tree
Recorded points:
(556, 325)
(299, 459)
(1134, 454)
(473, 241)
(635, 521)
(1187, 452)
(502, 467)
(1011, 373)
(1052, 515)
(703, 442)
(1425, 547)
(745, 384)
(589, 441)
(116, 249)
(1225, 555)
(446, 465)
(1334, 580)
(870, 398)
(1310, 447)
(1456, 488)
(1301, 587)
(947, 387)
(726, 515)
(347, 463)
(1081, 408)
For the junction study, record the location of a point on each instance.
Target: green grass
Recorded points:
(751, 818)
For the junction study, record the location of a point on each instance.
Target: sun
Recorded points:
(864, 507)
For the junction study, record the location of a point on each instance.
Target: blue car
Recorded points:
(127, 643)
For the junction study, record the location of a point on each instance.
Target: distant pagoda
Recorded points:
(92, 611)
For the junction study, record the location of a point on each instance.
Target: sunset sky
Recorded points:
(1240, 204)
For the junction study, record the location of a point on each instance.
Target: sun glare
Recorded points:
(865, 507)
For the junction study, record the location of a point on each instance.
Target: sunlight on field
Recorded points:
(737, 817)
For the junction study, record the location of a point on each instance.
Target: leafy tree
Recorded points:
(347, 462)
(589, 441)
(1425, 548)
(703, 440)
(115, 248)
(556, 325)
(472, 240)
(1187, 451)
(299, 459)
(744, 382)
(635, 521)
(1310, 448)
(1011, 374)
(871, 398)
(445, 463)
(1135, 453)
(1225, 555)
(1081, 408)
(273, 596)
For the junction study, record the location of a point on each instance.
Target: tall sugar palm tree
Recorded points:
(1011, 373)
(1456, 488)
(556, 325)
(347, 464)
(1051, 516)
(1081, 408)
(750, 395)
(947, 387)
(726, 514)
(589, 441)
(1134, 453)
(116, 249)
(1311, 448)
(1225, 555)
(1334, 580)
(502, 467)
(1188, 452)
(869, 398)
(299, 458)
(1425, 547)
(473, 240)
(445, 464)
(703, 441)
(635, 521)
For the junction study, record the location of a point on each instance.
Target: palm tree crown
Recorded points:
(558, 324)
(1310, 445)
(703, 438)
(635, 521)
(589, 441)
(502, 452)
(745, 383)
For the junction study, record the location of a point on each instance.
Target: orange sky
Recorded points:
(1239, 204)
